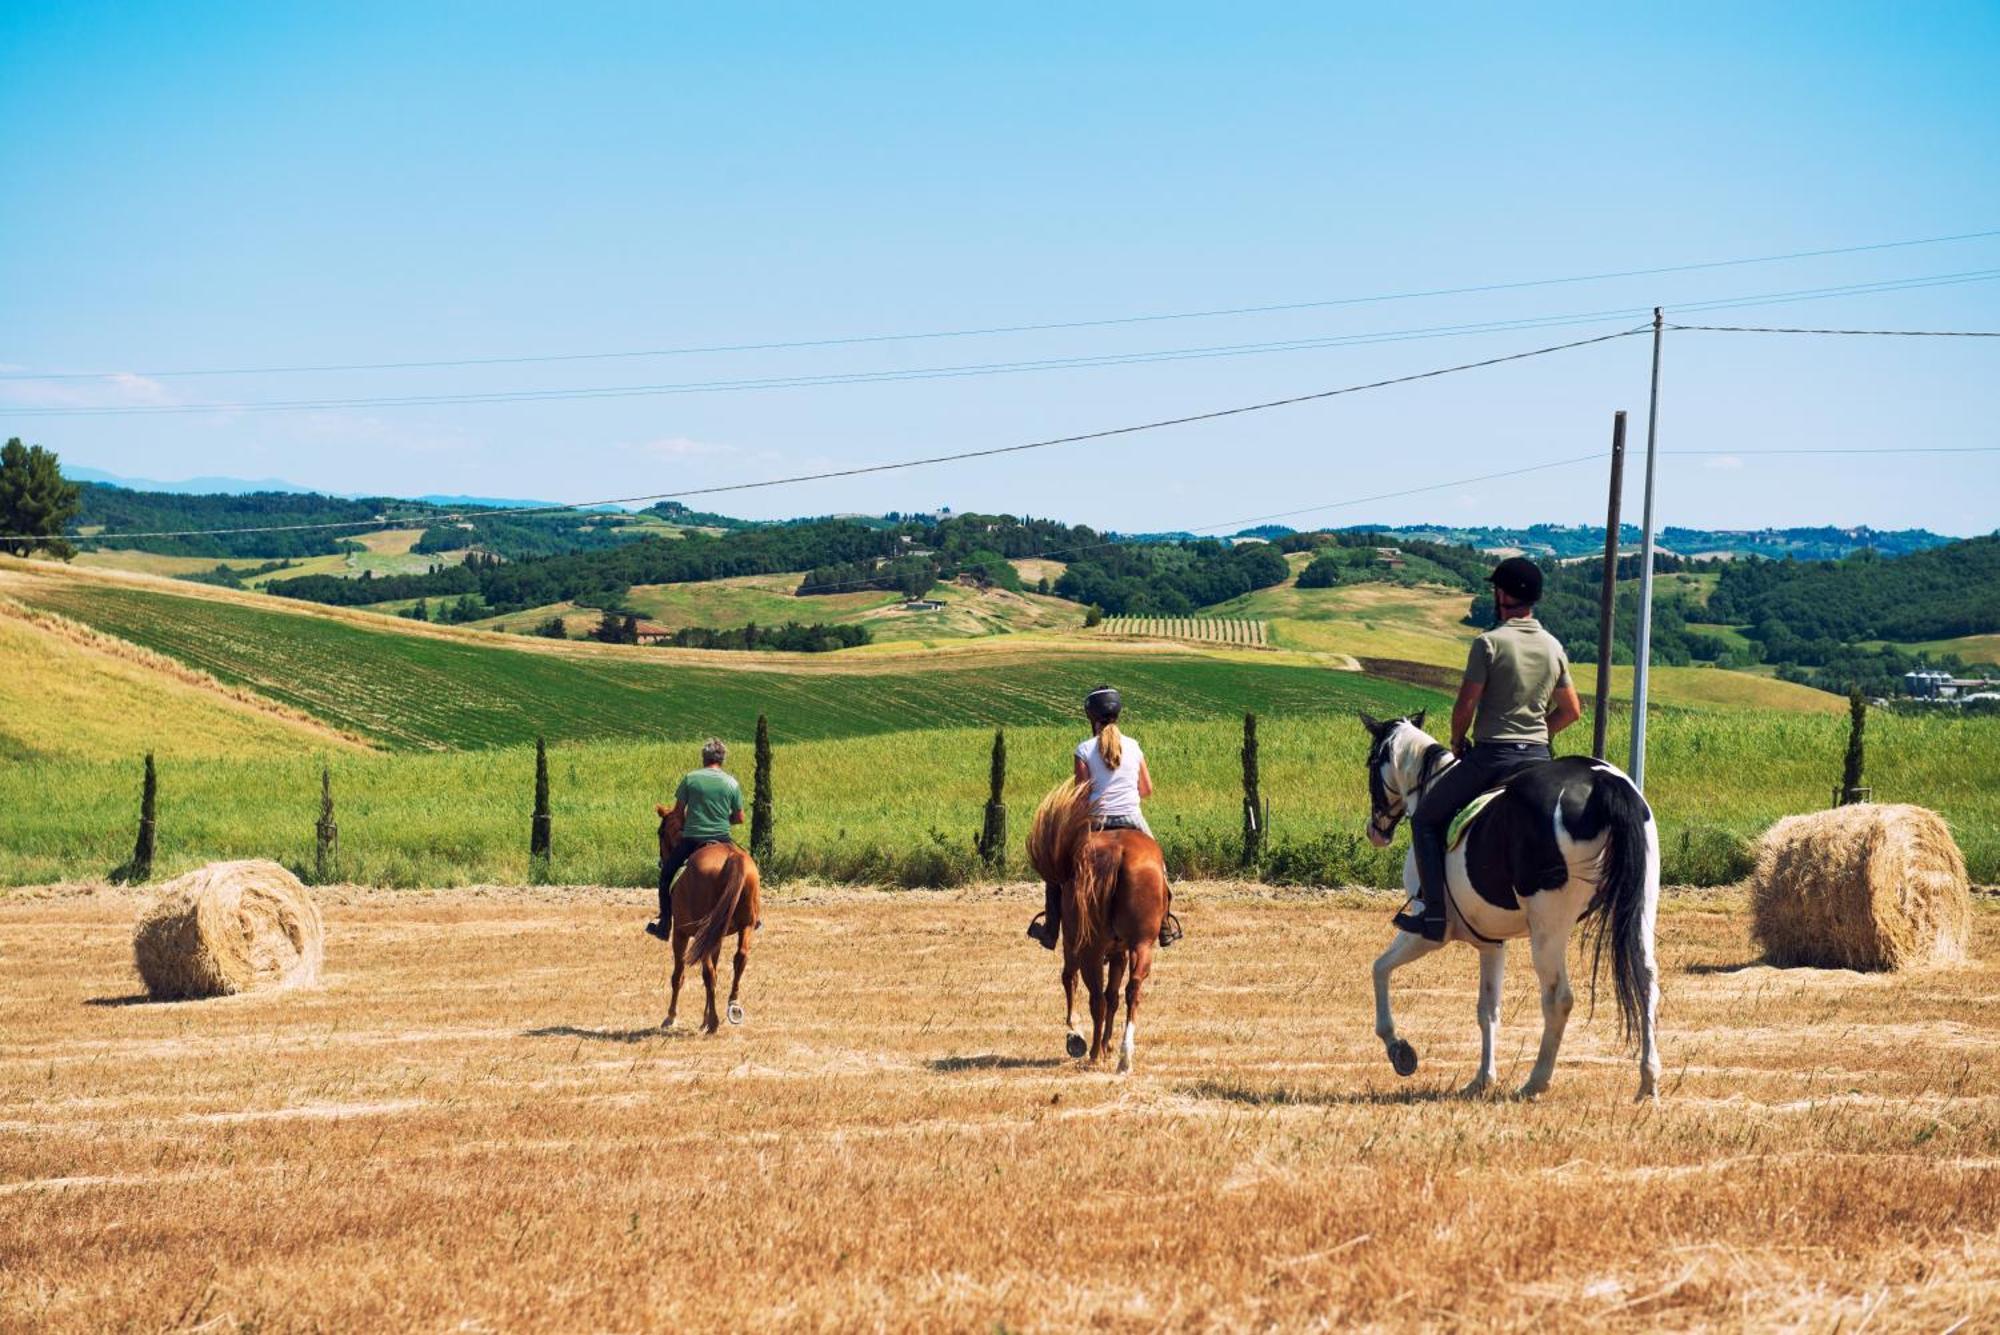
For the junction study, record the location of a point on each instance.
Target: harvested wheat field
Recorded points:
(472, 1124)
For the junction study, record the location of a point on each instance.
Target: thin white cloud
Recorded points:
(1723, 463)
(123, 390)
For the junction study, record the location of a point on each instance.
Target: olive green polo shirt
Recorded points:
(1521, 665)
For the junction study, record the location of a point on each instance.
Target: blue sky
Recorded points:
(196, 187)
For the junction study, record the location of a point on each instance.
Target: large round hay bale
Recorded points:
(229, 927)
(1861, 887)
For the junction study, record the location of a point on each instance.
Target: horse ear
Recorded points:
(1370, 722)
(1417, 719)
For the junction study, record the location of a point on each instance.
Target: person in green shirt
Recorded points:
(1515, 697)
(708, 801)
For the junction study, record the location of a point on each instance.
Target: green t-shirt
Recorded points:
(712, 797)
(1522, 665)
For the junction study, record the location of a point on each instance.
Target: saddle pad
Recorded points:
(1454, 834)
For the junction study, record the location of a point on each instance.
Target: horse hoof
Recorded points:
(667, 1023)
(1475, 1088)
(1076, 1047)
(1403, 1057)
(735, 1013)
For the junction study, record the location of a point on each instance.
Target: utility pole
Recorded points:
(1642, 648)
(1607, 613)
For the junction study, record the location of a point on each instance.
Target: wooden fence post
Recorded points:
(1253, 807)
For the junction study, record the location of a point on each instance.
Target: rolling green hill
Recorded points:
(411, 687)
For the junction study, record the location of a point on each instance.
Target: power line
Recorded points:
(1006, 368)
(990, 452)
(847, 378)
(1045, 327)
(1856, 449)
(1879, 333)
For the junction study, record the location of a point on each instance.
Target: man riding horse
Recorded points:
(707, 803)
(1515, 697)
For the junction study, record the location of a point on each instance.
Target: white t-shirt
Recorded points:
(1113, 792)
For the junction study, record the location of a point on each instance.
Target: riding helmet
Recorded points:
(1519, 578)
(1102, 703)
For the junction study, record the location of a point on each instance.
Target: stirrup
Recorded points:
(1170, 931)
(1429, 928)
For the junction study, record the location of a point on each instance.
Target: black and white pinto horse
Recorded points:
(1563, 841)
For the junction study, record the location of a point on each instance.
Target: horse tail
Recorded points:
(1627, 900)
(708, 933)
(1058, 843)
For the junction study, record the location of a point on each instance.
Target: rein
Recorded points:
(1427, 772)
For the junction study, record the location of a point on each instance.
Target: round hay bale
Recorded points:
(1861, 887)
(229, 927)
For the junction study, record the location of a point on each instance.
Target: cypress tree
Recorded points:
(538, 830)
(326, 853)
(993, 837)
(1253, 824)
(1857, 722)
(761, 808)
(141, 866)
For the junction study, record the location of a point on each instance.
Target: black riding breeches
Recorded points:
(1487, 765)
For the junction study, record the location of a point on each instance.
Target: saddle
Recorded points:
(1454, 834)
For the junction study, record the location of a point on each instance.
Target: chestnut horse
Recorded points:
(715, 894)
(1113, 891)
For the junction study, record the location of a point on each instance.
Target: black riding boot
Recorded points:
(664, 928)
(1047, 925)
(1429, 848)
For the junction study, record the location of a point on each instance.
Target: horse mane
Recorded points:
(1058, 850)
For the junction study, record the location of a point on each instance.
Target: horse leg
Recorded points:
(1649, 972)
(1407, 946)
(736, 978)
(1142, 968)
(1074, 1044)
(1093, 980)
(1548, 944)
(1115, 979)
(1492, 969)
(710, 1021)
(679, 948)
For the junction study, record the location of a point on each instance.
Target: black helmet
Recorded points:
(1102, 703)
(1519, 578)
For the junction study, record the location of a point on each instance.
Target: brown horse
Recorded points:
(715, 894)
(1113, 888)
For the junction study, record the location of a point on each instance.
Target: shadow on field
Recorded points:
(1737, 967)
(605, 1035)
(1279, 1096)
(136, 999)
(993, 1061)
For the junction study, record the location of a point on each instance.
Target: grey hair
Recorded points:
(713, 751)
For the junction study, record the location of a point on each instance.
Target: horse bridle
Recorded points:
(1386, 821)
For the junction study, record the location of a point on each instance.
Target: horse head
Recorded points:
(1396, 764)
(670, 830)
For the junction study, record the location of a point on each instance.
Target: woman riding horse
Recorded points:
(1111, 768)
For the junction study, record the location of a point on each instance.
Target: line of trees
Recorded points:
(792, 637)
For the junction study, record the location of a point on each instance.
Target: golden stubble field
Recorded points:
(473, 1125)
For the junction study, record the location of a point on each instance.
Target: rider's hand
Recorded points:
(1459, 746)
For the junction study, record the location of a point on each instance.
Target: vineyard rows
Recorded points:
(1205, 630)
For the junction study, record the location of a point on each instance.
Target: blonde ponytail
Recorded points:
(1111, 745)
